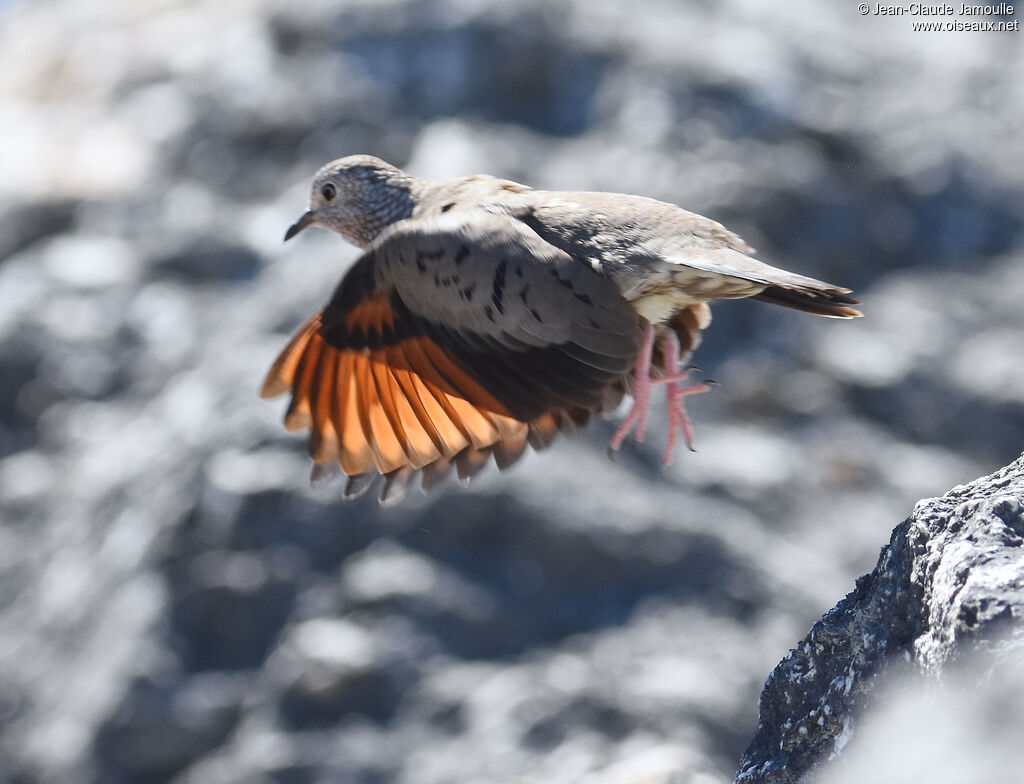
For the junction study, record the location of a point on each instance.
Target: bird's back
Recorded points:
(662, 257)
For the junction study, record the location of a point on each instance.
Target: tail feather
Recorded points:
(833, 304)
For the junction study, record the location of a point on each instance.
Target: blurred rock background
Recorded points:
(178, 605)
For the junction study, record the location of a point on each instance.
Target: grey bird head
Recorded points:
(358, 197)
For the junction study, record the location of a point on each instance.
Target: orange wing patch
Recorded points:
(408, 405)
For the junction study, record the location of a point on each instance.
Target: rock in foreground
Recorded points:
(948, 587)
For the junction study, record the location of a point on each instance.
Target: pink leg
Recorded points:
(677, 419)
(643, 385)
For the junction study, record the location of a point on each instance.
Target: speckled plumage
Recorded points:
(485, 315)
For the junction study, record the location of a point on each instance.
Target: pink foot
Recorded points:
(677, 419)
(643, 385)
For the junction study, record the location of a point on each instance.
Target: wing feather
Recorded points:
(282, 373)
(323, 438)
(380, 375)
(356, 453)
(418, 413)
(299, 414)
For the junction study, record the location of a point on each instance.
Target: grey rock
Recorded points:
(949, 585)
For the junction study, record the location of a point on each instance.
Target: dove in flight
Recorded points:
(485, 316)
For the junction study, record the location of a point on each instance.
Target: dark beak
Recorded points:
(307, 219)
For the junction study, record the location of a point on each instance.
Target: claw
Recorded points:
(643, 384)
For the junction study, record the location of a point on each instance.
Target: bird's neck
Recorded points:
(381, 206)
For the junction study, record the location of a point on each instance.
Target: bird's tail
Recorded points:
(833, 303)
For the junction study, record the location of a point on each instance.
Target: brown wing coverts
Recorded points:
(449, 342)
(536, 328)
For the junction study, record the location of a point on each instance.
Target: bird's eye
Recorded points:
(328, 191)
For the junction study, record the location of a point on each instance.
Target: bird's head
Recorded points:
(358, 197)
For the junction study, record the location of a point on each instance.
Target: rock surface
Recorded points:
(178, 605)
(948, 588)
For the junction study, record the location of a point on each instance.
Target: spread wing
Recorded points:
(451, 339)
